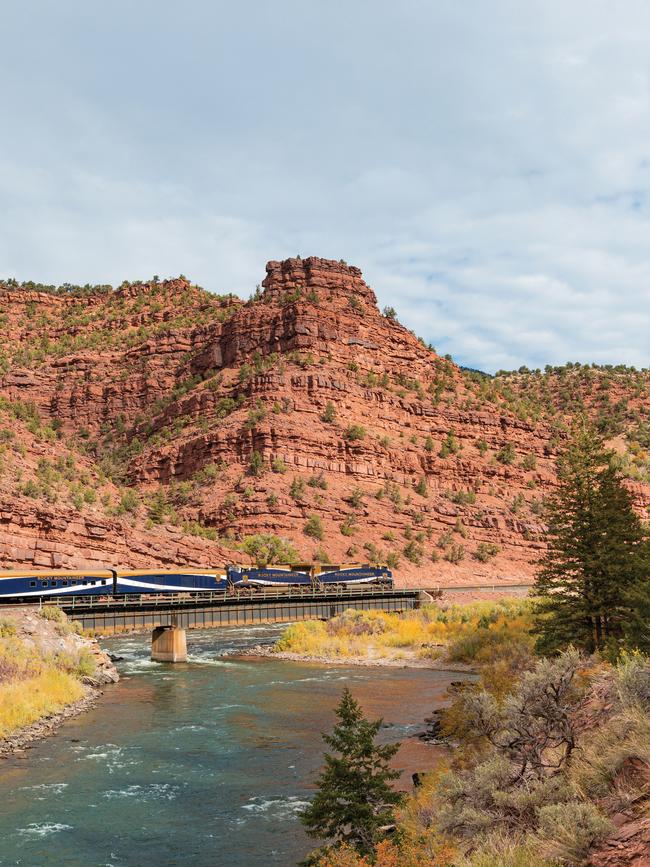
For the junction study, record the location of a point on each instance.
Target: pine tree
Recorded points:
(355, 798)
(596, 550)
(637, 621)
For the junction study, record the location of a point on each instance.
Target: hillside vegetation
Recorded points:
(551, 758)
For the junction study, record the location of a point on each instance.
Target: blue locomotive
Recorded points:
(309, 575)
(26, 585)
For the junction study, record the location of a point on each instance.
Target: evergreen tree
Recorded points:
(637, 621)
(355, 798)
(596, 550)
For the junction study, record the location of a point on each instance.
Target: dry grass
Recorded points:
(466, 632)
(613, 766)
(504, 851)
(24, 701)
(34, 684)
(53, 614)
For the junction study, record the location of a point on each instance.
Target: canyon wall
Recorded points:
(160, 424)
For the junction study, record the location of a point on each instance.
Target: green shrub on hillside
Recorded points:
(450, 446)
(421, 487)
(297, 489)
(354, 433)
(455, 553)
(314, 527)
(267, 548)
(486, 551)
(529, 462)
(506, 454)
(413, 552)
(256, 464)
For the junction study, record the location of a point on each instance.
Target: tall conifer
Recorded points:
(636, 625)
(354, 799)
(596, 550)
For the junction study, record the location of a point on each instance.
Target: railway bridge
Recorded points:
(169, 615)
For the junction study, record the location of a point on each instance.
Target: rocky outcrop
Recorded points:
(54, 637)
(50, 641)
(629, 846)
(53, 538)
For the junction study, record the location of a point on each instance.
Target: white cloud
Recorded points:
(487, 165)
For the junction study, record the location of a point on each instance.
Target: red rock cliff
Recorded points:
(158, 423)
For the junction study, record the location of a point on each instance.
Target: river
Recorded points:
(204, 763)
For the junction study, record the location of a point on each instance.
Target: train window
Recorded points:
(103, 581)
(32, 583)
(64, 583)
(84, 582)
(52, 583)
(43, 583)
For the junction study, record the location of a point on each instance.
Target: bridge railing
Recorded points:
(270, 594)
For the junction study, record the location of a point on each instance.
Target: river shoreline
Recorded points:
(46, 640)
(21, 740)
(28, 736)
(440, 664)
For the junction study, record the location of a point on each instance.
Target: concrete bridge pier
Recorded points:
(168, 644)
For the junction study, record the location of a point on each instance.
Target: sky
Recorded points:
(486, 163)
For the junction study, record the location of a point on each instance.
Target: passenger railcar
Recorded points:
(26, 585)
(170, 581)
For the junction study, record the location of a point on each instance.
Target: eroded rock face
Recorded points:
(336, 279)
(55, 638)
(629, 846)
(52, 538)
(216, 406)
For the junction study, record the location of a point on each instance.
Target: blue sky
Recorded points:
(486, 163)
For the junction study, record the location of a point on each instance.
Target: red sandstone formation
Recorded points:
(193, 416)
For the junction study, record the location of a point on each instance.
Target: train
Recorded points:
(23, 586)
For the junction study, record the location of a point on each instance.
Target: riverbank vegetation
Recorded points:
(537, 775)
(40, 671)
(459, 633)
(550, 759)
